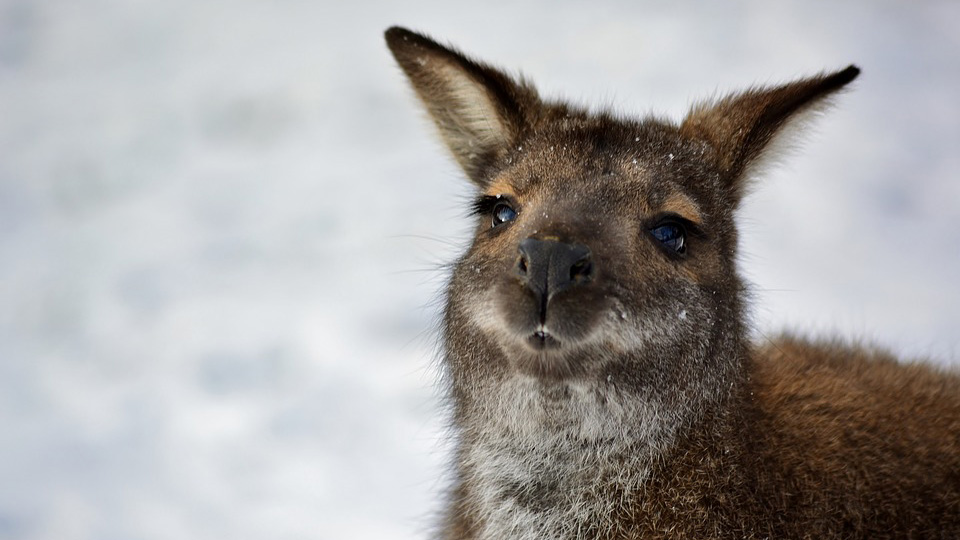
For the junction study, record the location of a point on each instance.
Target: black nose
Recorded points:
(548, 267)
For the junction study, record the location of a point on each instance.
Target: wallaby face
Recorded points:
(591, 257)
(594, 330)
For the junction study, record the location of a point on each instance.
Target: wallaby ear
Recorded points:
(741, 126)
(480, 111)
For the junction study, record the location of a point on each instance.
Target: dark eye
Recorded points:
(502, 213)
(672, 236)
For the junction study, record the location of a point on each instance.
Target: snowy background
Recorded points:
(222, 224)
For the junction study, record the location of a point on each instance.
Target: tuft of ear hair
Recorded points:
(740, 127)
(479, 110)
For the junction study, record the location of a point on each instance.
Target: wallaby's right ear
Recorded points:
(480, 111)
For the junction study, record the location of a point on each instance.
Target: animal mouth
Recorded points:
(547, 357)
(541, 341)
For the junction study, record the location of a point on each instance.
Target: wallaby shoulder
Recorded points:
(855, 440)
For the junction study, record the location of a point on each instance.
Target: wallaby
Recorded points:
(602, 379)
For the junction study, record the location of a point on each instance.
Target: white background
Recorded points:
(223, 225)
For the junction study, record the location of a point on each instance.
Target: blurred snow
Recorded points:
(223, 225)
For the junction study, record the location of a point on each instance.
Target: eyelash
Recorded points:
(500, 209)
(484, 205)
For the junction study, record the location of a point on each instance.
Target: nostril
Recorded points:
(581, 270)
(522, 265)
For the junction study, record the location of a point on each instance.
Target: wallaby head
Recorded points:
(602, 378)
(604, 247)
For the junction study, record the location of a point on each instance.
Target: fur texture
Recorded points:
(602, 382)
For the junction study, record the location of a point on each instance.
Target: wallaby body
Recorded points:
(603, 383)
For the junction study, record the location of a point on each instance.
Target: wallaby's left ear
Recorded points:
(740, 127)
(480, 111)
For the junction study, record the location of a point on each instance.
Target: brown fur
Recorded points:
(602, 382)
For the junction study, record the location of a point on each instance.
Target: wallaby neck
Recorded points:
(551, 459)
